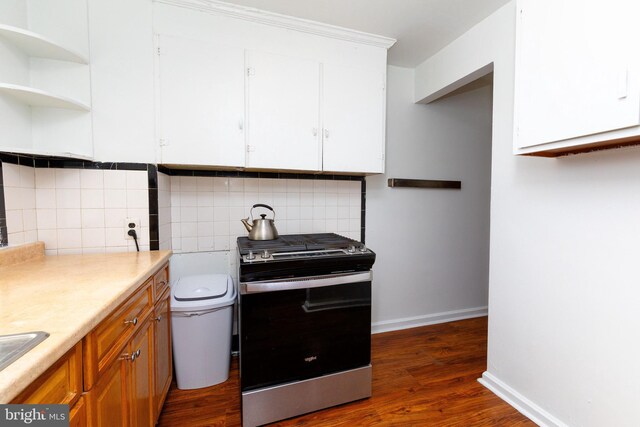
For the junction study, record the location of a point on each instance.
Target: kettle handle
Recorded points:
(262, 205)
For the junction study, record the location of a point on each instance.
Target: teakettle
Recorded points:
(263, 228)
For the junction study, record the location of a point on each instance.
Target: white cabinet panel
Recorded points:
(283, 104)
(576, 70)
(354, 119)
(201, 102)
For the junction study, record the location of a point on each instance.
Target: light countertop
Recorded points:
(66, 296)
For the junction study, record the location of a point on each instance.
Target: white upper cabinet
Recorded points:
(577, 80)
(283, 101)
(245, 88)
(201, 102)
(353, 119)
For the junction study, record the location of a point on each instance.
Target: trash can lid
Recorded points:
(201, 287)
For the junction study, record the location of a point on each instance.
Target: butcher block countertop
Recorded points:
(66, 296)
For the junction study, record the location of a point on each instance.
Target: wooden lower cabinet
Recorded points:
(61, 383)
(108, 399)
(124, 394)
(162, 352)
(125, 362)
(140, 371)
(78, 414)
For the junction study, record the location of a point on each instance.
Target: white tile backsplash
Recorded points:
(67, 178)
(20, 203)
(75, 210)
(115, 179)
(92, 198)
(11, 175)
(67, 198)
(45, 178)
(92, 179)
(83, 211)
(301, 206)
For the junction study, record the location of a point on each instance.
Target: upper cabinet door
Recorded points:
(354, 119)
(576, 69)
(201, 102)
(283, 102)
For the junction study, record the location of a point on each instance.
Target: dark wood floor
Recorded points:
(421, 377)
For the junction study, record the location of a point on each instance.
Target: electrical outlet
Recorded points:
(131, 224)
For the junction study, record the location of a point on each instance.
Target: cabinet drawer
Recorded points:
(160, 282)
(62, 383)
(104, 343)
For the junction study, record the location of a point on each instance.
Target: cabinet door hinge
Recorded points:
(250, 148)
(159, 51)
(163, 142)
(251, 71)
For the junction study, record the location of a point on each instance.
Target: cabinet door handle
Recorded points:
(240, 125)
(162, 283)
(137, 353)
(314, 131)
(130, 357)
(134, 321)
(157, 319)
(623, 83)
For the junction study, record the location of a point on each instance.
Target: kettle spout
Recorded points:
(246, 224)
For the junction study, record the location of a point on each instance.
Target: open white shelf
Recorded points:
(40, 98)
(39, 46)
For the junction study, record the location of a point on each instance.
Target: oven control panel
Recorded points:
(266, 256)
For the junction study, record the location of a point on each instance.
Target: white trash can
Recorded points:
(201, 322)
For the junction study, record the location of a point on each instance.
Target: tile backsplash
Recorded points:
(81, 207)
(75, 210)
(206, 211)
(20, 203)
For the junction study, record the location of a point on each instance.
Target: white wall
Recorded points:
(563, 287)
(432, 245)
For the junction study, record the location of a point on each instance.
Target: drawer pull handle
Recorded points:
(157, 319)
(134, 321)
(130, 357)
(162, 283)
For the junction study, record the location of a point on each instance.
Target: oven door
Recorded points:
(301, 328)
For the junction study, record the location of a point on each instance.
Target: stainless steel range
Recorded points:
(305, 324)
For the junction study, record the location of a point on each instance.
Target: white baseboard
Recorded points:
(523, 405)
(427, 319)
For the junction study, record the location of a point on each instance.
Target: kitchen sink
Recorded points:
(12, 347)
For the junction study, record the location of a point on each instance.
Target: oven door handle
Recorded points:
(304, 282)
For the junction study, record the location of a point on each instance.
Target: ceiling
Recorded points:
(422, 27)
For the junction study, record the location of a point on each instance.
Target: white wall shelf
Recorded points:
(39, 46)
(40, 98)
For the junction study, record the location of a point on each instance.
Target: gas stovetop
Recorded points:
(296, 255)
(298, 246)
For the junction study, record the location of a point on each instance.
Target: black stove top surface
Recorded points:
(295, 243)
(303, 264)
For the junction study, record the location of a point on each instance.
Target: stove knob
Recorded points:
(351, 249)
(363, 248)
(251, 255)
(265, 254)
